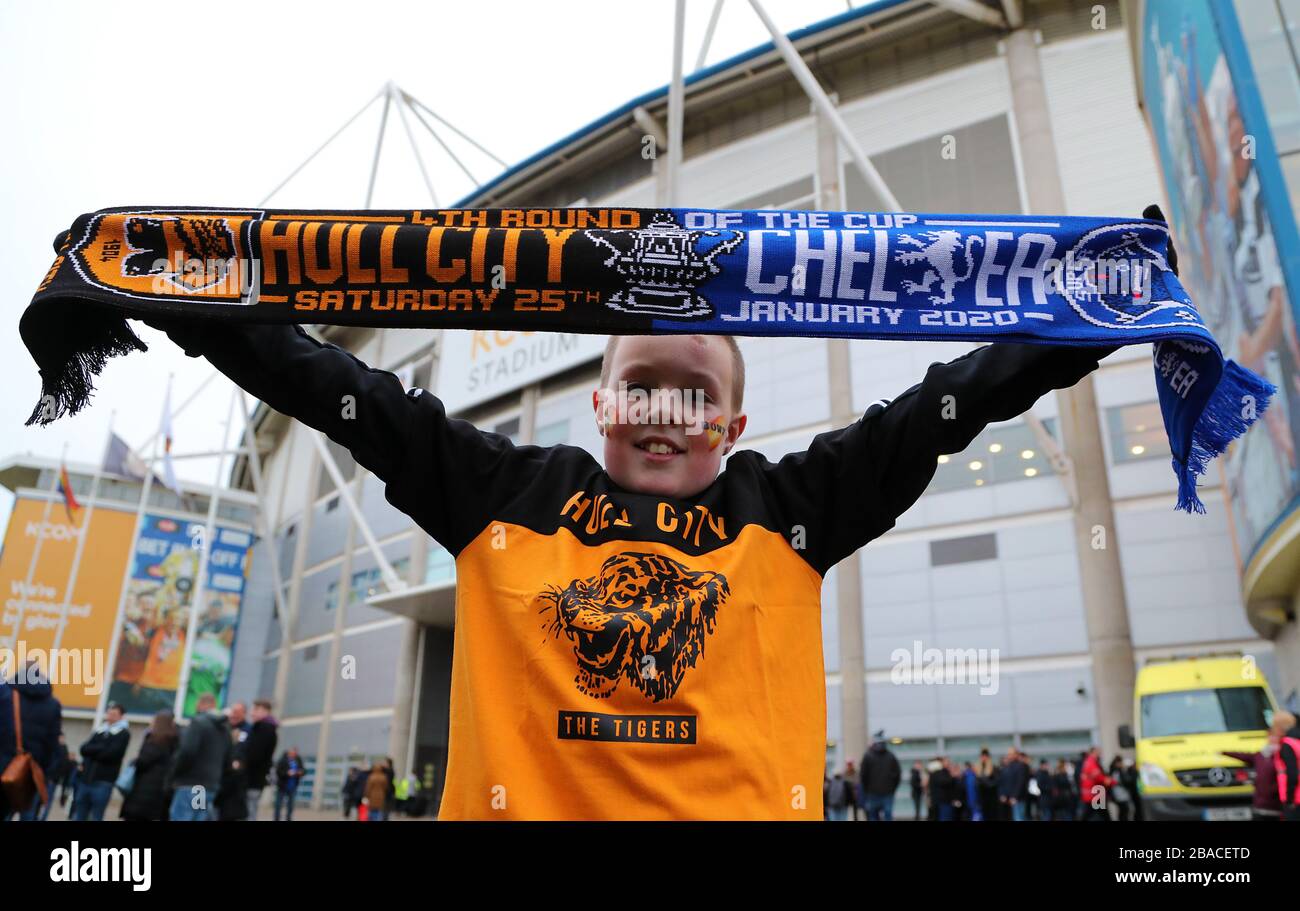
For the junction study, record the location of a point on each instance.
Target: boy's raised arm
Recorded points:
(851, 485)
(443, 473)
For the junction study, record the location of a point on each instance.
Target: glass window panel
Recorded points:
(998, 455)
(980, 177)
(1137, 432)
(553, 433)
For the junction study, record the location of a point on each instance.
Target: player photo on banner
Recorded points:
(1209, 158)
(151, 646)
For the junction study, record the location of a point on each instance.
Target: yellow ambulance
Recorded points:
(1186, 712)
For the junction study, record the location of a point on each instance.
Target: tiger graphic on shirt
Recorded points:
(643, 618)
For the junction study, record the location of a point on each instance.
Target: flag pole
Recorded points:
(81, 538)
(127, 572)
(36, 553)
(199, 591)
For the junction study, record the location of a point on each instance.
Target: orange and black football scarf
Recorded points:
(1051, 280)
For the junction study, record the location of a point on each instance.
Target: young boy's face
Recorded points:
(659, 452)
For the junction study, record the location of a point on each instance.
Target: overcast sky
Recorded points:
(110, 104)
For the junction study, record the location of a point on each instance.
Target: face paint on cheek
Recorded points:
(716, 431)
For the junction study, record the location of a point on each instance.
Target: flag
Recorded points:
(169, 470)
(120, 460)
(70, 503)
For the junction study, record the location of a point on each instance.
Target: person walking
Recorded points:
(101, 762)
(259, 753)
(1046, 800)
(1093, 786)
(916, 780)
(288, 773)
(60, 777)
(943, 790)
(838, 796)
(1266, 804)
(857, 796)
(1286, 762)
(881, 775)
(151, 792)
(1013, 785)
(200, 762)
(987, 773)
(971, 789)
(232, 794)
(1119, 793)
(27, 704)
(1064, 800)
(376, 798)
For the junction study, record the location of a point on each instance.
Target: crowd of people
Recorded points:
(1013, 788)
(216, 767)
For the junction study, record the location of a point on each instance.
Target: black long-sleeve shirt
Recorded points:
(621, 654)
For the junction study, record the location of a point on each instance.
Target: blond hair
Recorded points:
(737, 367)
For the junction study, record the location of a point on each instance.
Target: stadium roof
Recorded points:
(846, 21)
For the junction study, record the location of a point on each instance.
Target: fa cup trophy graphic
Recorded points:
(662, 266)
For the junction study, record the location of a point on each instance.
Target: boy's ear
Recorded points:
(734, 429)
(602, 414)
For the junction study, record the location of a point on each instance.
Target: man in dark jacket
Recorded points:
(200, 761)
(943, 791)
(42, 722)
(101, 761)
(59, 777)
(1013, 785)
(1044, 779)
(881, 775)
(232, 796)
(259, 753)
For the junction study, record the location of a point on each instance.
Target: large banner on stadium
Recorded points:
(71, 638)
(36, 601)
(152, 641)
(1232, 222)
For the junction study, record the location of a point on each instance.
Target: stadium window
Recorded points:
(968, 549)
(508, 428)
(550, 434)
(439, 565)
(1137, 432)
(981, 179)
(998, 455)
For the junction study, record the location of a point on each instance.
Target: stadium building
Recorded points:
(950, 110)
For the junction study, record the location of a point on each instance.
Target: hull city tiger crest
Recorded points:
(622, 271)
(193, 254)
(643, 619)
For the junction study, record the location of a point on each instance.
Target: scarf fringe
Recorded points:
(72, 358)
(1222, 422)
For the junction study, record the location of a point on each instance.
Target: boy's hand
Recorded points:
(1153, 212)
(185, 333)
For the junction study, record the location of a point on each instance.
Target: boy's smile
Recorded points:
(675, 450)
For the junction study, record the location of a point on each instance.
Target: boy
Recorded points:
(644, 641)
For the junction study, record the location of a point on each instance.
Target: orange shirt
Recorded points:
(637, 681)
(162, 669)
